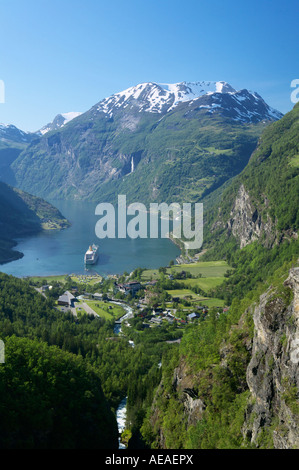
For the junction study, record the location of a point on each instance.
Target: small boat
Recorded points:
(91, 255)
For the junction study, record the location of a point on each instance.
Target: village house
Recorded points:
(193, 316)
(151, 283)
(97, 296)
(66, 300)
(46, 288)
(129, 287)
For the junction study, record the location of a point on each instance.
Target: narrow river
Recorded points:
(121, 416)
(121, 412)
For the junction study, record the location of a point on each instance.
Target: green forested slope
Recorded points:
(22, 214)
(271, 181)
(272, 172)
(209, 368)
(61, 365)
(51, 399)
(180, 156)
(211, 363)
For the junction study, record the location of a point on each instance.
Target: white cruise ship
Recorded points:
(92, 254)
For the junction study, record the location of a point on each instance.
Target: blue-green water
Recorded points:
(62, 252)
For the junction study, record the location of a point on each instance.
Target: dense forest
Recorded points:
(93, 356)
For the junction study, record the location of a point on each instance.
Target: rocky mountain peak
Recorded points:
(161, 98)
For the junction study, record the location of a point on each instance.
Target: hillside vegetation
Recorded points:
(22, 214)
(231, 382)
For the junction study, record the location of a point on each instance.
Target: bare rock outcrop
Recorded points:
(246, 222)
(273, 372)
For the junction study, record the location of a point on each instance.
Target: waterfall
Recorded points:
(132, 165)
(121, 420)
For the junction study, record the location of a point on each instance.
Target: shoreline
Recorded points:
(17, 255)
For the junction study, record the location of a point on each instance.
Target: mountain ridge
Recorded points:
(148, 142)
(161, 98)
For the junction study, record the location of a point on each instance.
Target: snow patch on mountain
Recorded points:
(59, 121)
(162, 98)
(188, 91)
(10, 133)
(158, 97)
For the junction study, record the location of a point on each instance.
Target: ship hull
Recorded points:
(92, 261)
(91, 258)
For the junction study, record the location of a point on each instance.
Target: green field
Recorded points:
(211, 275)
(48, 279)
(207, 269)
(149, 274)
(184, 293)
(205, 283)
(80, 279)
(103, 310)
(196, 299)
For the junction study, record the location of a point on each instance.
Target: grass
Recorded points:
(205, 283)
(207, 269)
(103, 310)
(183, 293)
(149, 274)
(196, 299)
(213, 302)
(47, 279)
(62, 279)
(90, 280)
(212, 273)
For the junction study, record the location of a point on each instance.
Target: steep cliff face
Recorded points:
(273, 372)
(249, 220)
(246, 222)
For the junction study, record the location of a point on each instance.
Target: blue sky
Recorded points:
(58, 56)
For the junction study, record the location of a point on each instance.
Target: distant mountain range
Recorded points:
(153, 142)
(11, 134)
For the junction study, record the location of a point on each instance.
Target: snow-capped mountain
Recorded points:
(59, 121)
(161, 98)
(242, 106)
(153, 140)
(10, 133)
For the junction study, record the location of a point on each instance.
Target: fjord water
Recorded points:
(62, 252)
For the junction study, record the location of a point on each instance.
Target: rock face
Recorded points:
(273, 372)
(183, 384)
(246, 222)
